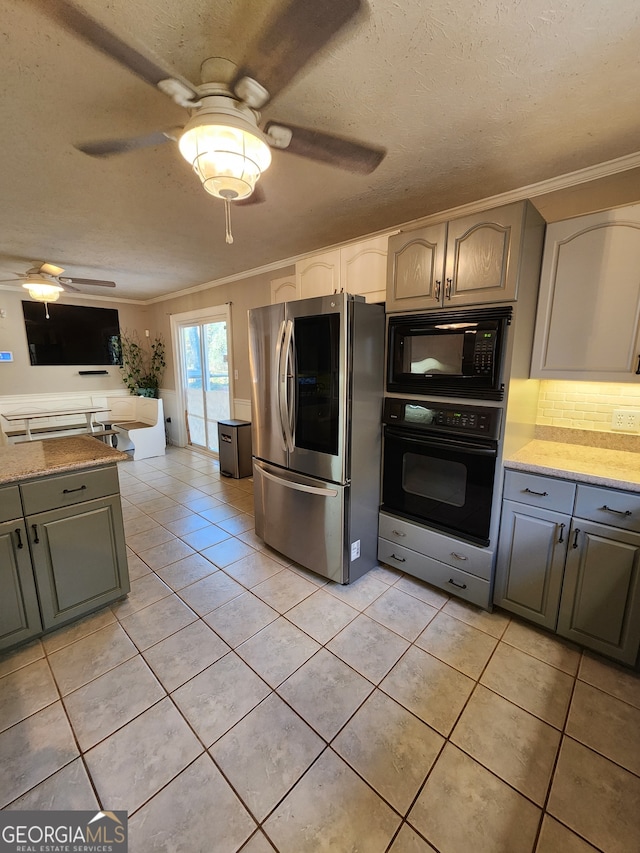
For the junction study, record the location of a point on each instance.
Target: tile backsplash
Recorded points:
(584, 405)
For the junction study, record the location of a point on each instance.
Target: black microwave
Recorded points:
(450, 353)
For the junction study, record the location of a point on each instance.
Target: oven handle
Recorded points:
(459, 444)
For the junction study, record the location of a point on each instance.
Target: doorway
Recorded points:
(202, 344)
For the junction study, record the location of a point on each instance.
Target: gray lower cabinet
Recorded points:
(531, 553)
(560, 566)
(600, 604)
(19, 612)
(64, 556)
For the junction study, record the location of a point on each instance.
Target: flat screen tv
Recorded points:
(73, 334)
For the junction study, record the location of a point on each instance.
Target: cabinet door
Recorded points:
(363, 269)
(19, 613)
(483, 256)
(319, 275)
(284, 289)
(79, 558)
(531, 552)
(600, 604)
(589, 303)
(415, 268)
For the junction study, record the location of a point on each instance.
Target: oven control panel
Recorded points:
(428, 416)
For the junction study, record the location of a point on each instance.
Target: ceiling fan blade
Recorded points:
(68, 287)
(9, 280)
(77, 21)
(291, 38)
(50, 269)
(94, 282)
(108, 147)
(326, 148)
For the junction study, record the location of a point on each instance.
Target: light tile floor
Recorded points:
(236, 702)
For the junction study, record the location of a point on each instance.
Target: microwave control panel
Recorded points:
(484, 352)
(435, 417)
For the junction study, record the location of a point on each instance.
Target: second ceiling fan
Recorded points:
(222, 139)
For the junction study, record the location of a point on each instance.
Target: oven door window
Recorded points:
(445, 484)
(434, 479)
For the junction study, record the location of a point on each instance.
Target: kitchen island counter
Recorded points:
(32, 459)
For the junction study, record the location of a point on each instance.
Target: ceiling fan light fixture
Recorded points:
(41, 290)
(227, 153)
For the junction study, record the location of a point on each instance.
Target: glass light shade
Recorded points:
(227, 158)
(43, 291)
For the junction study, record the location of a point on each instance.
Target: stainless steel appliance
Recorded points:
(317, 374)
(440, 465)
(449, 353)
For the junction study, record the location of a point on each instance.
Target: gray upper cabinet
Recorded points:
(468, 261)
(588, 322)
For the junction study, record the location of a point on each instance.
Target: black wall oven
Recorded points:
(440, 465)
(449, 353)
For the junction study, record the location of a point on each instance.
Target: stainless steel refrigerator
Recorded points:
(317, 371)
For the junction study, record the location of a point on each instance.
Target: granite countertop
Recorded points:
(601, 466)
(54, 456)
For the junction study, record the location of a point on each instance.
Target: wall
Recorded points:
(246, 293)
(21, 377)
(584, 405)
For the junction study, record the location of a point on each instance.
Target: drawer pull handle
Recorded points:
(539, 494)
(438, 288)
(399, 559)
(561, 539)
(459, 585)
(398, 533)
(34, 527)
(69, 491)
(17, 532)
(575, 538)
(624, 512)
(458, 556)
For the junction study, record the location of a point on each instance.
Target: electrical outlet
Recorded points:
(626, 420)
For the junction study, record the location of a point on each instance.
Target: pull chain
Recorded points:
(46, 310)
(227, 221)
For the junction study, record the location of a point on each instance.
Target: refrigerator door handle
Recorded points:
(286, 386)
(280, 383)
(300, 487)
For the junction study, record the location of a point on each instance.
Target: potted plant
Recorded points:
(142, 364)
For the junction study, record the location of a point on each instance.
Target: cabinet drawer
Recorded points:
(10, 506)
(68, 489)
(452, 580)
(608, 506)
(536, 490)
(469, 558)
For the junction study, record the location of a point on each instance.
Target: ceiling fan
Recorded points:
(222, 139)
(45, 282)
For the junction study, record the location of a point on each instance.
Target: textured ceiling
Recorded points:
(470, 97)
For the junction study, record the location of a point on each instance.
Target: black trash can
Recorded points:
(234, 443)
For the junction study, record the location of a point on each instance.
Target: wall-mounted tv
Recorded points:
(73, 334)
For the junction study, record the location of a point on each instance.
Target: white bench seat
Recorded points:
(139, 425)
